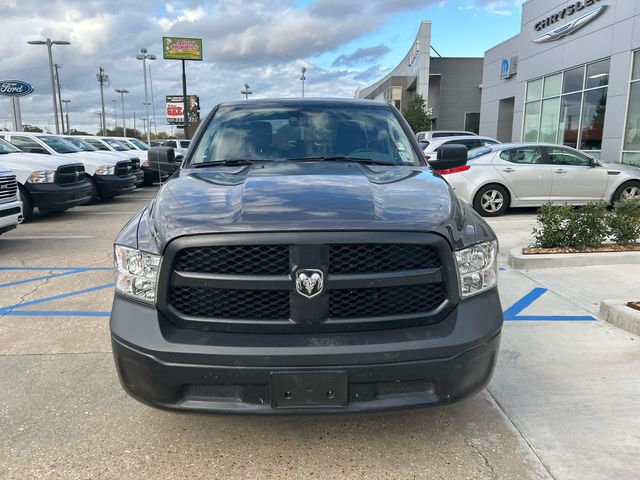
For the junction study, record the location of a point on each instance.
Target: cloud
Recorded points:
(260, 42)
(362, 55)
(498, 7)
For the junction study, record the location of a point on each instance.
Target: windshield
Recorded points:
(81, 144)
(305, 132)
(478, 152)
(116, 144)
(59, 145)
(138, 143)
(6, 147)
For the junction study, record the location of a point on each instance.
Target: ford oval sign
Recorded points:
(15, 88)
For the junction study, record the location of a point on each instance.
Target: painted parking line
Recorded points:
(513, 313)
(15, 310)
(51, 237)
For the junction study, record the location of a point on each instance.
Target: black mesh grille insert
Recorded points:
(236, 259)
(69, 174)
(123, 169)
(381, 302)
(380, 258)
(231, 304)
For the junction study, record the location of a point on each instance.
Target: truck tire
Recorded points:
(27, 203)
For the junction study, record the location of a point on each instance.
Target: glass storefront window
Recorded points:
(531, 122)
(632, 132)
(598, 74)
(593, 111)
(549, 120)
(534, 90)
(636, 66)
(553, 85)
(573, 80)
(569, 120)
(631, 158)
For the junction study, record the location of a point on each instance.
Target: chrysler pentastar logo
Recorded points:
(568, 28)
(309, 283)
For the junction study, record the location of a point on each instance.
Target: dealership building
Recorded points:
(571, 76)
(451, 86)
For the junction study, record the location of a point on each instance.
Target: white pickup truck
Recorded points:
(108, 177)
(49, 183)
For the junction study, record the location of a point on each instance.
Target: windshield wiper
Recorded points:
(225, 163)
(341, 158)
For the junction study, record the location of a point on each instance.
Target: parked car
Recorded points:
(427, 136)
(10, 203)
(179, 145)
(48, 182)
(318, 269)
(150, 173)
(108, 177)
(430, 148)
(501, 176)
(85, 146)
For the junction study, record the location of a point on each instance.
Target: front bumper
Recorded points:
(110, 186)
(139, 174)
(173, 368)
(51, 197)
(10, 215)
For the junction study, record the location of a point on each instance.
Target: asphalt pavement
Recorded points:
(563, 402)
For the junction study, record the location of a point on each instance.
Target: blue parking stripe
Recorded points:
(10, 308)
(44, 277)
(56, 313)
(513, 312)
(60, 269)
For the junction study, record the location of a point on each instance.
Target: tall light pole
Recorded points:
(66, 104)
(122, 91)
(144, 56)
(115, 119)
(246, 91)
(103, 79)
(57, 76)
(48, 43)
(303, 78)
(153, 103)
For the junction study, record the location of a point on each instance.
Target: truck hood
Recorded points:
(287, 196)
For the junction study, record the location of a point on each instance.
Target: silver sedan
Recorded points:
(500, 176)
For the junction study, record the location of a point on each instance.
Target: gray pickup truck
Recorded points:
(306, 259)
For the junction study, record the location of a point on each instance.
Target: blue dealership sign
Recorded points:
(15, 88)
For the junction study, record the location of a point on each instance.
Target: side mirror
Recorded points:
(449, 157)
(161, 155)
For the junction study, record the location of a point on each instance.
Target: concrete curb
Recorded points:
(520, 261)
(617, 313)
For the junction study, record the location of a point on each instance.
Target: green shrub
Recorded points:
(562, 226)
(552, 230)
(624, 222)
(588, 226)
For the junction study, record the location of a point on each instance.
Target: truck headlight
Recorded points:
(145, 163)
(136, 273)
(477, 268)
(41, 176)
(105, 170)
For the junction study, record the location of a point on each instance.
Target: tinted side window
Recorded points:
(97, 143)
(170, 143)
(526, 156)
(27, 145)
(469, 143)
(560, 156)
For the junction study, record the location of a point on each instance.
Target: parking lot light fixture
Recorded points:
(122, 91)
(303, 78)
(48, 42)
(246, 91)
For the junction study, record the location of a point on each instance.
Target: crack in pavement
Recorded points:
(482, 455)
(23, 298)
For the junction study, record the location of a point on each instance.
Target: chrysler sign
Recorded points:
(15, 88)
(575, 22)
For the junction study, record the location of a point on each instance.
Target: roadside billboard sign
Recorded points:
(175, 106)
(179, 48)
(15, 88)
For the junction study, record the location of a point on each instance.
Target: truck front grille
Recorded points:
(8, 188)
(69, 174)
(135, 164)
(400, 280)
(123, 169)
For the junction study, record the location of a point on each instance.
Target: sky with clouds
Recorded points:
(343, 44)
